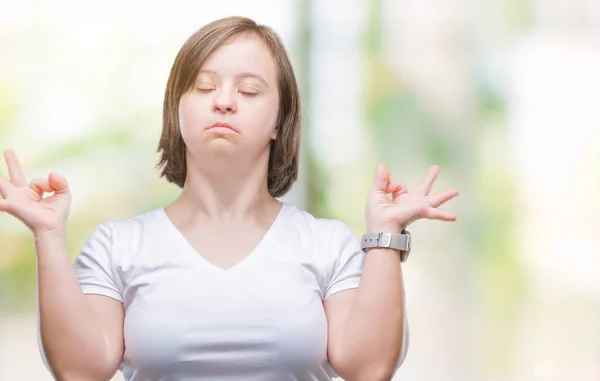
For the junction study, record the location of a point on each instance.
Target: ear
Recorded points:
(274, 134)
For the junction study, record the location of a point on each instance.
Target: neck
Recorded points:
(226, 190)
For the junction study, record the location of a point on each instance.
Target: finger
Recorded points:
(16, 175)
(394, 186)
(439, 199)
(5, 206)
(58, 183)
(396, 189)
(382, 178)
(436, 214)
(4, 185)
(427, 182)
(41, 185)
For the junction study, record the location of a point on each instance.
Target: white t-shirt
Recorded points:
(187, 319)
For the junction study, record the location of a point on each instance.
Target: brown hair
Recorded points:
(284, 151)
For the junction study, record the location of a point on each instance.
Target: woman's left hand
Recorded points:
(393, 215)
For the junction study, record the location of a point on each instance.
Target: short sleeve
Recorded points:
(347, 260)
(93, 265)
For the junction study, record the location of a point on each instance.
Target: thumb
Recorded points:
(382, 178)
(58, 183)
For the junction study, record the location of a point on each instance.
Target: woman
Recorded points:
(226, 282)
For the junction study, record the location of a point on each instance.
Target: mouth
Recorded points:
(222, 126)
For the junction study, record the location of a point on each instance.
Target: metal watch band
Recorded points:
(401, 242)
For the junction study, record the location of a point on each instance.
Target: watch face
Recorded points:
(408, 242)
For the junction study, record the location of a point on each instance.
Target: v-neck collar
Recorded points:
(185, 244)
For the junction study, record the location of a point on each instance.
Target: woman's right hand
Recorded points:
(43, 215)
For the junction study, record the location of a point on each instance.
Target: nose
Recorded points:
(224, 102)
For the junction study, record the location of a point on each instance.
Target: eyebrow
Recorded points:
(241, 75)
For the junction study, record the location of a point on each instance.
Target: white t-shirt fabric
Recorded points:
(187, 319)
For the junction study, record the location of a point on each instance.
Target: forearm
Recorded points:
(375, 330)
(71, 336)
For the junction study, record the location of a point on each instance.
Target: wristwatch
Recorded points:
(396, 241)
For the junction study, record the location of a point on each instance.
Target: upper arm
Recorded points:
(347, 259)
(340, 294)
(110, 315)
(94, 268)
(337, 310)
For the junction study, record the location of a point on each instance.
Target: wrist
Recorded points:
(50, 235)
(385, 228)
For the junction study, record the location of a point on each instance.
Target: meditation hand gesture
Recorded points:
(393, 215)
(43, 215)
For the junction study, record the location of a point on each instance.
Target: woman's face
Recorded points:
(233, 105)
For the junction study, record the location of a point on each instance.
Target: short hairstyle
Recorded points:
(284, 151)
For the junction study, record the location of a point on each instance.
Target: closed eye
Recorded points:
(205, 87)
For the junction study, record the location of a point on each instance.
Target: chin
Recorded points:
(219, 147)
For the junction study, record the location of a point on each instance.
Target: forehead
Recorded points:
(243, 54)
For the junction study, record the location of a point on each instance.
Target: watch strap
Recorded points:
(401, 242)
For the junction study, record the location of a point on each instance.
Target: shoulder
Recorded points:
(329, 230)
(145, 220)
(301, 219)
(129, 230)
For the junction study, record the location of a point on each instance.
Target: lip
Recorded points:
(222, 125)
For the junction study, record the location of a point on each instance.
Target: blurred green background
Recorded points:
(502, 94)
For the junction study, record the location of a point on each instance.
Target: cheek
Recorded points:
(190, 116)
(265, 115)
